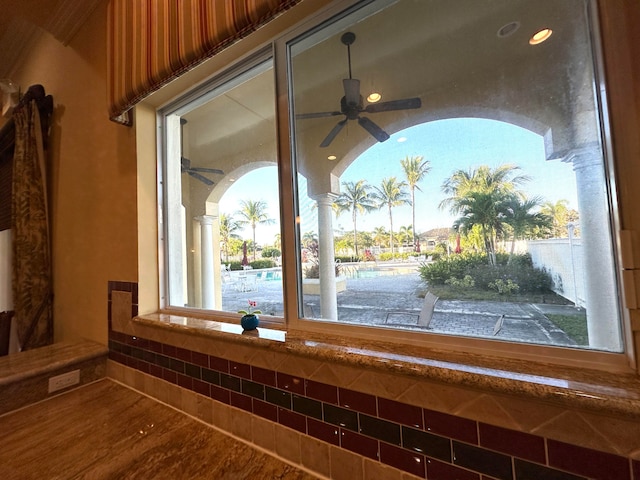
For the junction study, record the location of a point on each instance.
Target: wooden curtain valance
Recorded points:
(151, 42)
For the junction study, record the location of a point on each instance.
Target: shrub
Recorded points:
(257, 264)
(507, 287)
(270, 252)
(313, 271)
(466, 282)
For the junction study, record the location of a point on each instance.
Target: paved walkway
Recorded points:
(396, 300)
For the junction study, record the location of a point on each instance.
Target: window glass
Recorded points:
(222, 204)
(451, 172)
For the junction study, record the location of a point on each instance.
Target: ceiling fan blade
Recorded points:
(405, 104)
(302, 116)
(332, 134)
(207, 170)
(373, 129)
(351, 91)
(185, 163)
(203, 179)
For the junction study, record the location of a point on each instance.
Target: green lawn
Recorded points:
(575, 326)
(446, 292)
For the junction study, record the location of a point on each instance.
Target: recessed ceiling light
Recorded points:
(232, 179)
(331, 157)
(402, 139)
(374, 97)
(540, 36)
(508, 29)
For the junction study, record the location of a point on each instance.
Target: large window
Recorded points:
(449, 177)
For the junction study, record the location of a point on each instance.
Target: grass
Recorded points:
(447, 292)
(575, 326)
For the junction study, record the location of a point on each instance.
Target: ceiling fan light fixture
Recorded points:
(374, 97)
(540, 36)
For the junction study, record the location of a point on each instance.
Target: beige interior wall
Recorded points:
(92, 178)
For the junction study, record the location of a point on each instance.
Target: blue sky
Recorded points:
(449, 145)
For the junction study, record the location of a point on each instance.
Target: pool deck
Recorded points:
(396, 300)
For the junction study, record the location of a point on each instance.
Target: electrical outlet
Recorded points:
(63, 381)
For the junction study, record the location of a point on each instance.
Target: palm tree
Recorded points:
(561, 215)
(487, 210)
(502, 179)
(380, 236)
(415, 169)
(228, 226)
(522, 220)
(406, 234)
(254, 213)
(355, 199)
(391, 193)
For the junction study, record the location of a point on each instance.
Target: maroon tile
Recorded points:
(518, 444)
(201, 387)
(155, 370)
(636, 469)
(360, 402)
(201, 359)
(323, 431)
(413, 463)
(241, 401)
(169, 375)
(183, 354)
(169, 350)
(264, 376)
(437, 470)
(365, 446)
(451, 426)
(116, 356)
(218, 364)
(587, 462)
(220, 394)
(292, 420)
(290, 383)
(185, 381)
(322, 391)
(400, 412)
(143, 366)
(155, 346)
(265, 410)
(240, 370)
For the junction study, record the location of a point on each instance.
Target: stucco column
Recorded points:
(328, 294)
(206, 260)
(595, 231)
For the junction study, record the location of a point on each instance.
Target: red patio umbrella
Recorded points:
(245, 260)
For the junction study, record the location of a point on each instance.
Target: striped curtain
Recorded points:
(151, 42)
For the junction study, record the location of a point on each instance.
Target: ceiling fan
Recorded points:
(185, 165)
(352, 104)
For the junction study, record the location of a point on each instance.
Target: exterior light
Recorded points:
(540, 36)
(331, 157)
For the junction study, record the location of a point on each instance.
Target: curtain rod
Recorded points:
(45, 106)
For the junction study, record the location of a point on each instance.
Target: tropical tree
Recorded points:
(502, 179)
(254, 213)
(391, 193)
(523, 220)
(561, 215)
(406, 234)
(308, 238)
(356, 198)
(415, 169)
(486, 210)
(228, 226)
(480, 195)
(380, 236)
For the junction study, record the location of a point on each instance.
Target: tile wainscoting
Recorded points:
(349, 422)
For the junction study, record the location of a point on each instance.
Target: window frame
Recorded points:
(277, 48)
